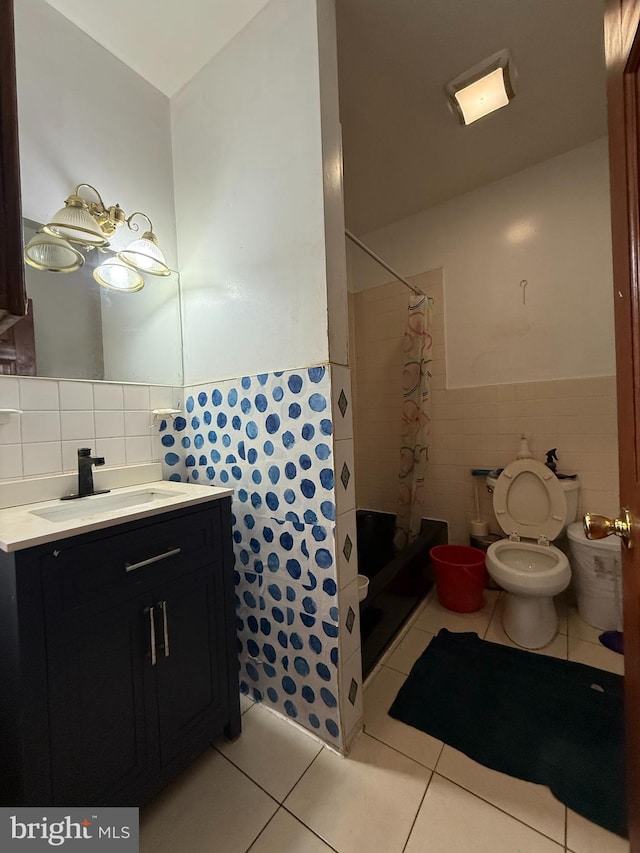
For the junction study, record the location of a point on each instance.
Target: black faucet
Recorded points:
(85, 475)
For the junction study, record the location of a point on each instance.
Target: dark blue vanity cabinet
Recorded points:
(117, 658)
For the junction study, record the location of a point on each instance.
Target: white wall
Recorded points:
(249, 201)
(550, 225)
(257, 175)
(85, 116)
(335, 248)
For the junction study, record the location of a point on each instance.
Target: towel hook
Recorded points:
(523, 285)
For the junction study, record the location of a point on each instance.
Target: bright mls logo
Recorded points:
(33, 829)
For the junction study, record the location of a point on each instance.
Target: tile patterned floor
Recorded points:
(277, 790)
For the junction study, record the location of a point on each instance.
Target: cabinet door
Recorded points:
(99, 739)
(191, 670)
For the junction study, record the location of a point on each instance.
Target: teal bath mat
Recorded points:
(549, 721)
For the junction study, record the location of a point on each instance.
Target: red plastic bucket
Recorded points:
(460, 577)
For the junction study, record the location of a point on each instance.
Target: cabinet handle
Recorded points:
(152, 628)
(165, 626)
(131, 567)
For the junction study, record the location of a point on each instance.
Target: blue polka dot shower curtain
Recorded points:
(416, 420)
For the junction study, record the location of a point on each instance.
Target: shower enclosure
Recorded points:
(390, 361)
(398, 581)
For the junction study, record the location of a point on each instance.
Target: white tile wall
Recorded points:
(351, 689)
(136, 397)
(76, 424)
(109, 424)
(10, 432)
(341, 402)
(9, 395)
(108, 396)
(76, 395)
(346, 551)
(58, 417)
(41, 458)
(38, 394)
(138, 423)
(344, 470)
(113, 450)
(11, 460)
(349, 639)
(350, 658)
(40, 426)
(138, 449)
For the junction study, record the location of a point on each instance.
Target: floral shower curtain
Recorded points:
(416, 409)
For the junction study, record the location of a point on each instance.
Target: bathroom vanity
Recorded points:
(117, 644)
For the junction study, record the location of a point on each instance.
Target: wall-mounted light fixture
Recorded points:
(90, 224)
(481, 90)
(52, 254)
(116, 275)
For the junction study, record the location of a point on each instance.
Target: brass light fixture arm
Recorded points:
(134, 226)
(99, 203)
(108, 218)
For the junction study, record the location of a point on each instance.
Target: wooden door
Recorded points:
(622, 48)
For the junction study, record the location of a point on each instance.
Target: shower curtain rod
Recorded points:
(384, 264)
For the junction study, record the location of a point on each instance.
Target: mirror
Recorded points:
(82, 330)
(84, 116)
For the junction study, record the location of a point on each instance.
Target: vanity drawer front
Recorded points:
(133, 560)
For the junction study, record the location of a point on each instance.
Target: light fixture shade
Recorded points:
(116, 275)
(481, 90)
(74, 222)
(145, 254)
(51, 253)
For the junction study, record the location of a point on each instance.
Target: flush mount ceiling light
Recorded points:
(481, 90)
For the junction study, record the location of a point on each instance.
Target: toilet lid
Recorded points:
(528, 500)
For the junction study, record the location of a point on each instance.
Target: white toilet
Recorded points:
(533, 507)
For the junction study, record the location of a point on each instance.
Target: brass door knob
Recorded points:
(599, 526)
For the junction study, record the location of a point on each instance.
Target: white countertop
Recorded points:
(20, 528)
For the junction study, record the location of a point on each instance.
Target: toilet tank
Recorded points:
(571, 494)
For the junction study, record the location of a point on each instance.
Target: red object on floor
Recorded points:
(460, 577)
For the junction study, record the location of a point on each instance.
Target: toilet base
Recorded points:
(530, 621)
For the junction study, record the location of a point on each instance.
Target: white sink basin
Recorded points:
(85, 507)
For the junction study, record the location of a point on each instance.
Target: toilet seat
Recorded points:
(529, 501)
